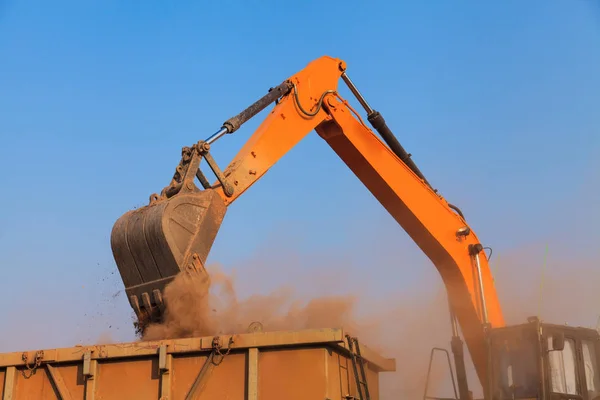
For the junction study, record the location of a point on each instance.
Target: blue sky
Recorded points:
(497, 103)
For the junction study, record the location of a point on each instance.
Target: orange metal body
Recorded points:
(421, 212)
(143, 236)
(311, 364)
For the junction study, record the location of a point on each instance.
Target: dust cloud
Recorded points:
(105, 337)
(545, 280)
(207, 304)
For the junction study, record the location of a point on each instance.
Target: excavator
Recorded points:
(176, 230)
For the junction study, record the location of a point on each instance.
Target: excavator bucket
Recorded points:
(151, 245)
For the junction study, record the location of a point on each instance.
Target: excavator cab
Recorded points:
(544, 361)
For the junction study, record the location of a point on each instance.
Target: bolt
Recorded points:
(205, 146)
(252, 172)
(228, 190)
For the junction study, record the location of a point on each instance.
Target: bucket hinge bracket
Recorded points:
(188, 169)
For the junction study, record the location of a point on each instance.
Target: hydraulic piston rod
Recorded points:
(234, 123)
(459, 357)
(378, 123)
(474, 250)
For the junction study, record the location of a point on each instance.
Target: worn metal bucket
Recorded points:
(154, 243)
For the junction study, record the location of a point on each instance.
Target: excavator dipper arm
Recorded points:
(176, 230)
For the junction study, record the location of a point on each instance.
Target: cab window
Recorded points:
(563, 375)
(516, 364)
(590, 364)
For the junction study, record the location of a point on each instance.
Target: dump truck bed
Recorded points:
(309, 364)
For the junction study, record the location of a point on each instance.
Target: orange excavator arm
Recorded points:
(176, 230)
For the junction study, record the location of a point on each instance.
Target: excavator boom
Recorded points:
(176, 230)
